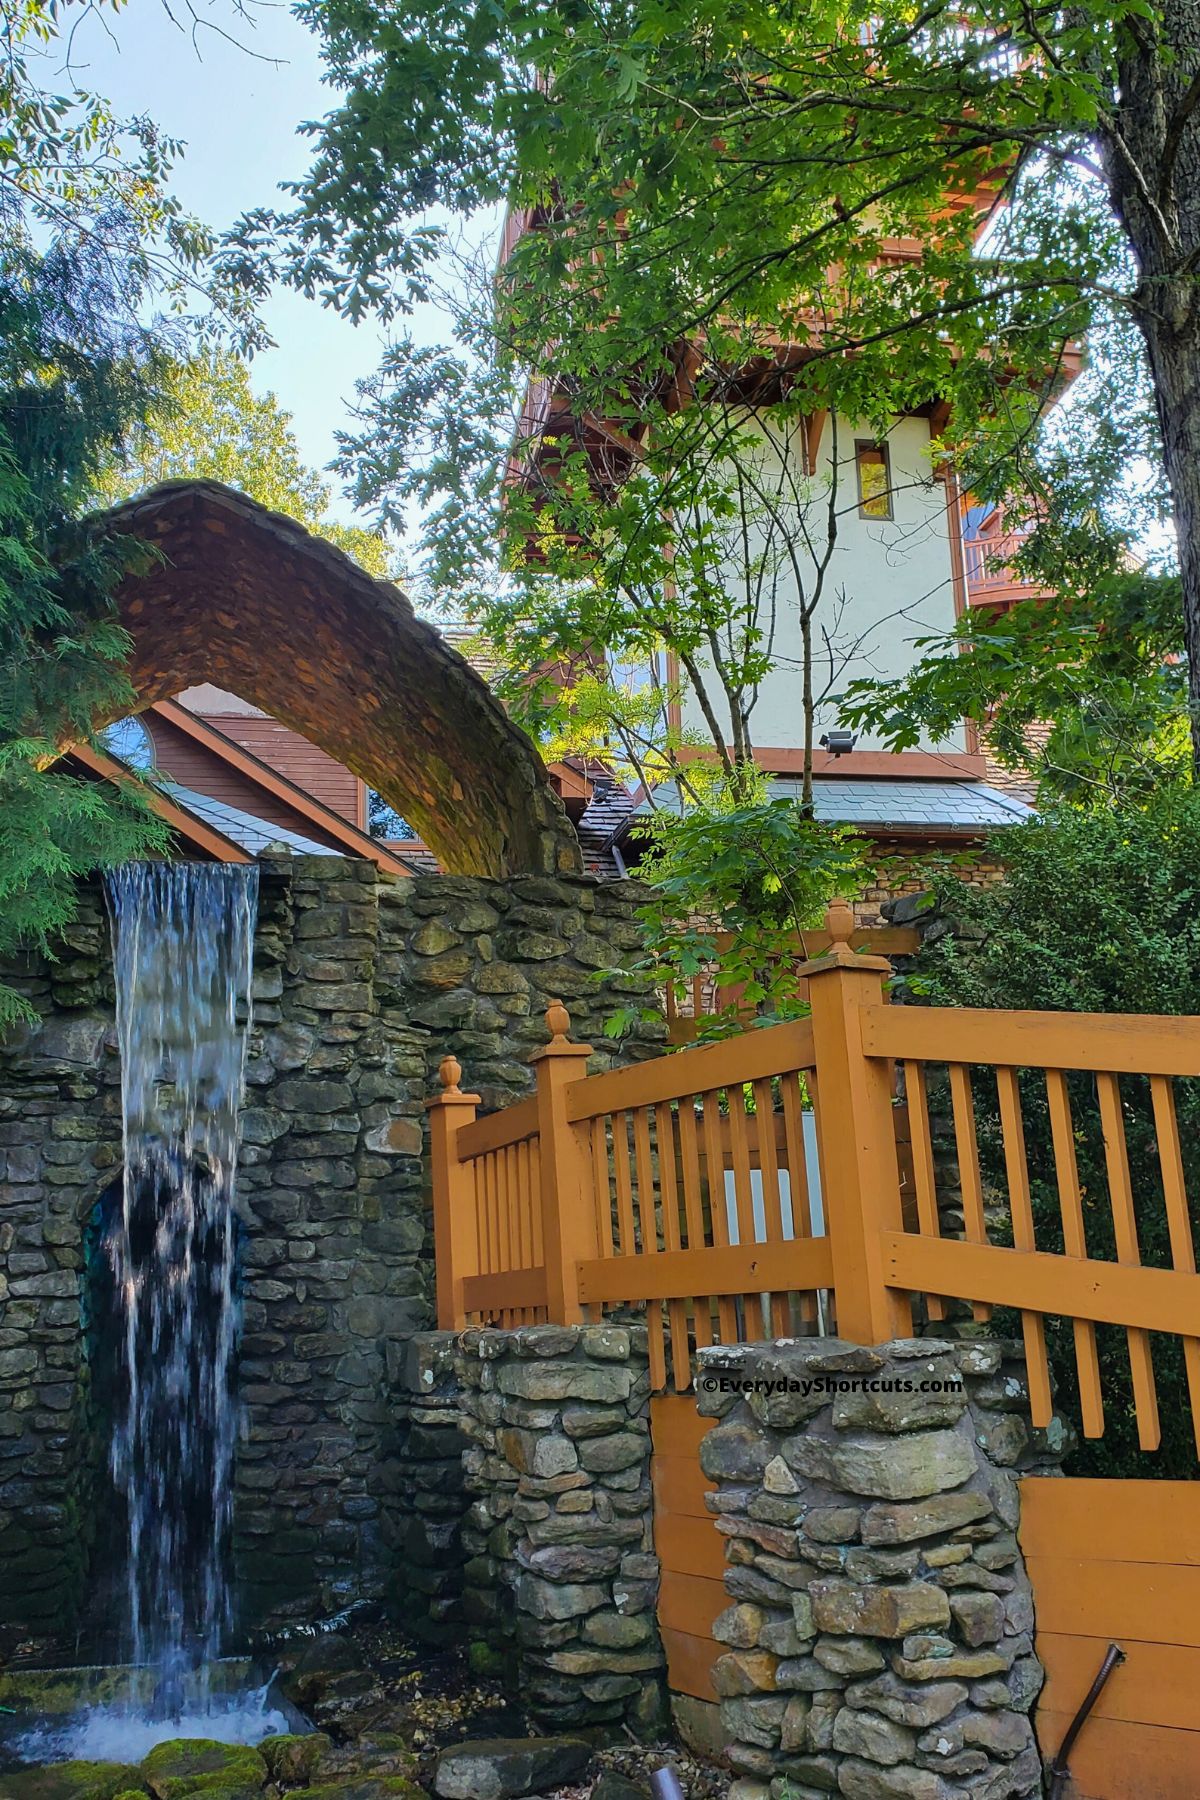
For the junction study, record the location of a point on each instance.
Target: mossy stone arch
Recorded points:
(251, 601)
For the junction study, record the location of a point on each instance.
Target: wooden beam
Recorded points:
(1117, 1042)
(1067, 1287)
(509, 1126)
(800, 1265)
(776, 1050)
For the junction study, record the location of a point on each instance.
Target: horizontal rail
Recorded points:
(499, 1129)
(1112, 1043)
(1069, 1287)
(755, 1056)
(506, 1291)
(801, 1264)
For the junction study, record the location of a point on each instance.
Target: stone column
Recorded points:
(561, 1572)
(422, 1481)
(880, 1632)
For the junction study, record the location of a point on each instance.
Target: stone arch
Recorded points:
(251, 601)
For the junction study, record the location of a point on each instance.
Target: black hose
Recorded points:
(1058, 1770)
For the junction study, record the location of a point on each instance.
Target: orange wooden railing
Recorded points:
(687, 1186)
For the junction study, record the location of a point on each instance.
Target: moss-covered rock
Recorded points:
(293, 1760)
(365, 1787)
(202, 1766)
(72, 1781)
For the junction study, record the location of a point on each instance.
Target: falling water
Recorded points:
(182, 946)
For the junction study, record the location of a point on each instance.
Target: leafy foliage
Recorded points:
(733, 880)
(1086, 692)
(208, 424)
(1100, 913)
(74, 367)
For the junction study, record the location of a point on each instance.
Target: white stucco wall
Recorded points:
(889, 583)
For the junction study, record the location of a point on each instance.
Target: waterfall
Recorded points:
(182, 947)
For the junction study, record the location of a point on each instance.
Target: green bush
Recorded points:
(1100, 913)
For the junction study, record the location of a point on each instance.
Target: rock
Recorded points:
(733, 1452)
(979, 1617)
(503, 1768)
(558, 1600)
(293, 1760)
(71, 1781)
(739, 1625)
(849, 1655)
(832, 1524)
(869, 1735)
(867, 1781)
(918, 1707)
(612, 1786)
(558, 1380)
(366, 1787)
(898, 1411)
(196, 1765)
(744, 1672)
(890, 1612)
(907, 1468)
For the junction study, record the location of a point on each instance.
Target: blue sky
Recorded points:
(239, 115)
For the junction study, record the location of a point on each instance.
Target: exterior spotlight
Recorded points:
(839, 743)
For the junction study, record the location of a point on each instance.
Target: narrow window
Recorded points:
(874, 480)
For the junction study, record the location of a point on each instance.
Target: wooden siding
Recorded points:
(1119, 1562)
(689, 1547)
(294, 757)
(194, 766)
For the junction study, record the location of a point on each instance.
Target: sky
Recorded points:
(238, 109)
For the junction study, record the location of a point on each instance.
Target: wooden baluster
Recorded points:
(798, 1182)
(743, 1197)
(768, 1168)
(1070, 1202)
(677, 1310)
(1179, 1224)
(1120, 1193)
(689, 1155)
(601, 1188)
(568, 1220)
(967, 1144)
(455, 1213)
(924, 1177)
(648, 1219)
(860, 1174)
(1016, 1165)
(714, 1158)
(626, 1233)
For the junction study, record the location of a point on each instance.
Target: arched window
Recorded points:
(129, 740)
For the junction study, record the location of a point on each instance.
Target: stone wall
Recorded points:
(880, 1626)
(362, 984)
(561, 1573)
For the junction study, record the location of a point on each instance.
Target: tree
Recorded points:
(207, 423)
(707, 163)
(74, 368)
(94, 249)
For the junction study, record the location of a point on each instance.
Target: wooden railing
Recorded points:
(688, 1186)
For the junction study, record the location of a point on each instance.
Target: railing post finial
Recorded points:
(840, 924)
(558, 1021)
(450, 1074)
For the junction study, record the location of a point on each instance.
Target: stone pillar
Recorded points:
(880, 1628)
(424, 1489)
(60, 1137)
(331, 1207)
(561, 1571)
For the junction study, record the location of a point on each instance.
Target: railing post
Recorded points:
(455, 1228)
(568, 1217)
(860, 1177)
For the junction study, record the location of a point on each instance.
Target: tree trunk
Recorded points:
(1175, 366)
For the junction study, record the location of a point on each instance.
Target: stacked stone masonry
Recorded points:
(879, 1636)
(561, 1573)
(362, 984)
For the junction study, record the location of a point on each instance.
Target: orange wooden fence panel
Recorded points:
(1119, 1561)
(687, 1187)
(688, 1545)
